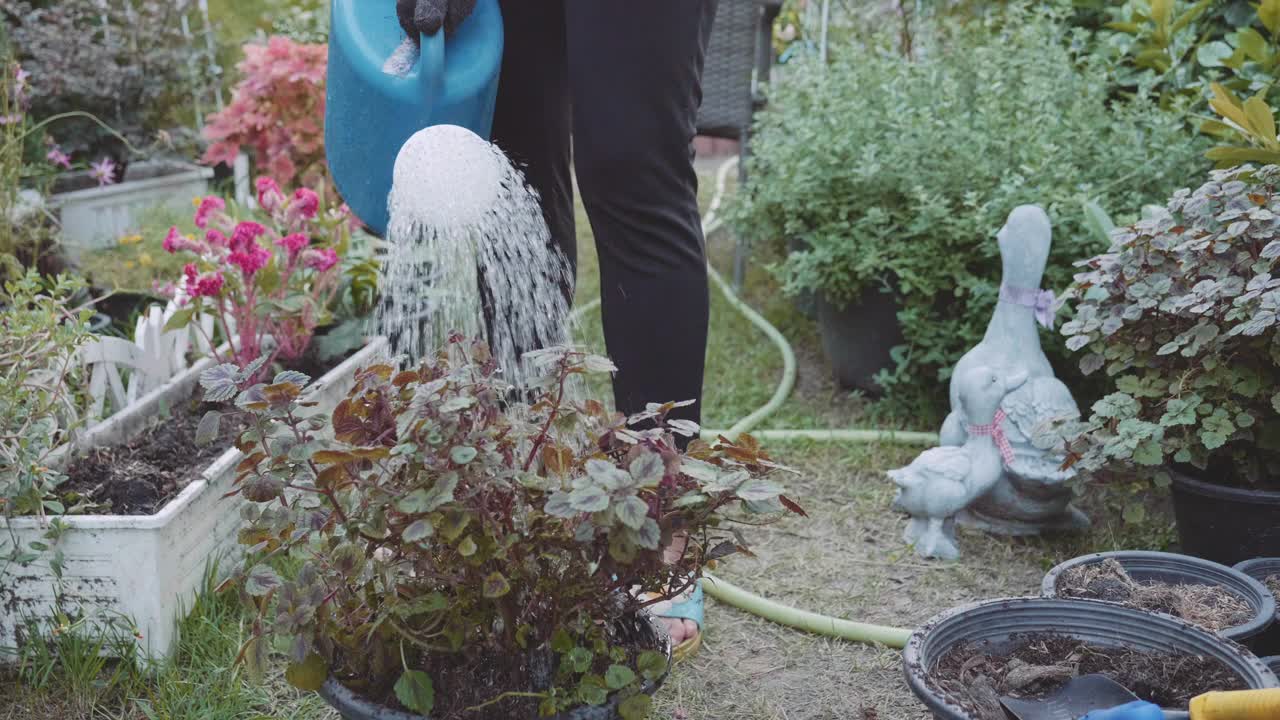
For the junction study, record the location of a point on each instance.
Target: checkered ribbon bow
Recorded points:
(995, 431)
(1043, 302)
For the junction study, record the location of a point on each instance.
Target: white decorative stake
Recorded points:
(1026, 492)
(106, 358)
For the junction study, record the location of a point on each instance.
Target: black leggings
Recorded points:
(623, 78)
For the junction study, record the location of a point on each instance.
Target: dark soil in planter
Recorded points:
(1037, 664)
(139, 477)
(1210, 606)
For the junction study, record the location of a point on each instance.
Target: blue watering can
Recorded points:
(379, 95)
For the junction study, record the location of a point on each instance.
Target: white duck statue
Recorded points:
(1032, 494)
(943, 481)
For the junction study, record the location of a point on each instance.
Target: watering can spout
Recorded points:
(382, 88)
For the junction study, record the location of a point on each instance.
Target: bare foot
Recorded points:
(679, 629)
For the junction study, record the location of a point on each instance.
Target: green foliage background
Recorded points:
(900, 172)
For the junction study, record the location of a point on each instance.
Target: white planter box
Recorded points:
(147, 568)
(98, 217)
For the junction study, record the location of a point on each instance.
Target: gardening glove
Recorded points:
(426, 17)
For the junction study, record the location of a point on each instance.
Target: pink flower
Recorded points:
(13, 119)
(270, 197)
(202, 285)
(173, 240)
(217, 239)
(306, 202)
(320, 260)
(207, 285)
(176, 242)
(294, 243)
(251, 258)
(57, 157)
(244, 235)
(104, 171)
(208, 206)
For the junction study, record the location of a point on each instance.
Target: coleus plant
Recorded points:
(456, 550)
(1181, 313)
(267, 286)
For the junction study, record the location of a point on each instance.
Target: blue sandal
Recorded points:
(690, 605)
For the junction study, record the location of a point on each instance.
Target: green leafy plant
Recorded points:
(1251, 120)
(443, 526)
(40, 336)
(897, 174)
(1180, 314)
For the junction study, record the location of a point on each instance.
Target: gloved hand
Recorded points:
(426, 17)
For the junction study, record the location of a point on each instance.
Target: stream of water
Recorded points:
(467, 239)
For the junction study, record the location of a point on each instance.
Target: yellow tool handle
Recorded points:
(1240, 705)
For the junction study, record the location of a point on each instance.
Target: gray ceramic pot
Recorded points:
(995, 622)
(1183, 569)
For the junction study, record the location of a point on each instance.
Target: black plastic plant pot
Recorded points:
(353, 707)
(857, 338)
(994, 624)
(1267, 643)
(1225, 524)
(1273, 663)
(1176, 569)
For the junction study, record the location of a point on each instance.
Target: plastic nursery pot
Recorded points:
(1273, 663)
(1268, 642)
(642, 626)
(1225, 524)
(1183, 570)
(994, 623)
(857, 338)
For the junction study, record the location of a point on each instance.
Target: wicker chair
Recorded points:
(739, 57)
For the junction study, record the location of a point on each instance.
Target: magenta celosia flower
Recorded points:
(104, 171)
(251, 258)
(204, 285)
(294, 243)
(320, 260)
(270, 196)
(176, 242)
(217, 239)
(57, 157)
(244, 235)
(208, 206)
(306, 202)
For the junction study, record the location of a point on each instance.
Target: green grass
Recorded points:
(138, 261)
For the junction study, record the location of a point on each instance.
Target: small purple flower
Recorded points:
(57, 157)
(13, 119)
(104, 171)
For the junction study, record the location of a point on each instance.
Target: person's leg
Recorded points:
(532, 120)
(635, 76)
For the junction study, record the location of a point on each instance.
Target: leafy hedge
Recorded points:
(902, 172)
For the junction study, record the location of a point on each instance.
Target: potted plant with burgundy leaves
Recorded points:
(1181, 315)
(440, 547)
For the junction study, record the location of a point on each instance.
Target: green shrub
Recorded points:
(901, 173)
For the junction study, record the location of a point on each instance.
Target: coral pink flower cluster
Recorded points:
(276, 113)
(242, 266)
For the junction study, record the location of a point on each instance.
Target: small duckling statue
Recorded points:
(942, 481)
(1033, 494)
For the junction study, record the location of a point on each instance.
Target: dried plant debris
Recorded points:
(1210, 606)
(976, 675)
